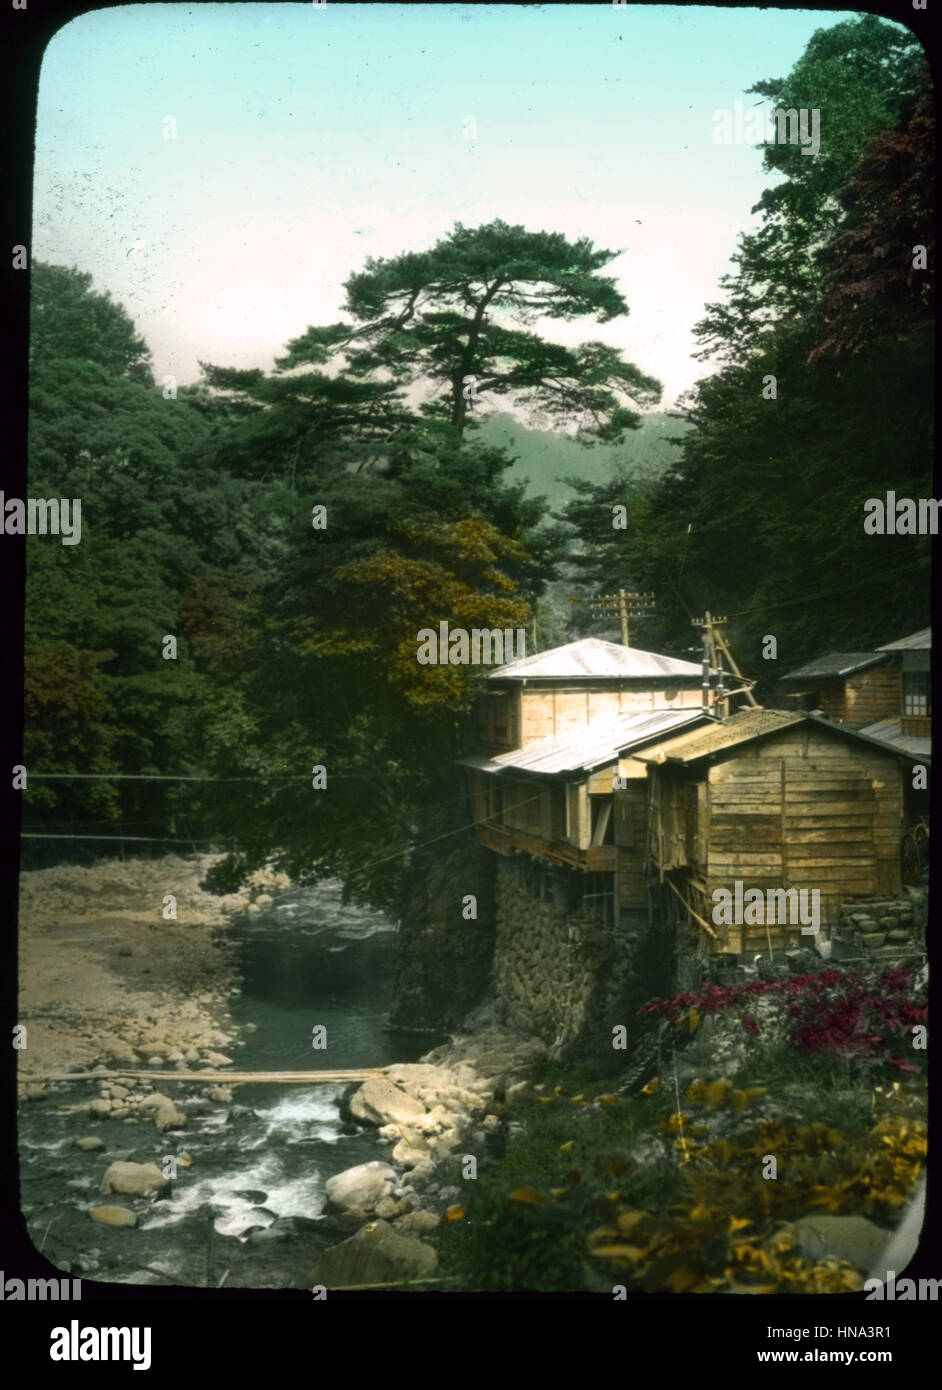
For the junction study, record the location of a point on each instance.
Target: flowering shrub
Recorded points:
(856, 1015)
(730, 1231)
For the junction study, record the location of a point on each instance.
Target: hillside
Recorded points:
(544, 458)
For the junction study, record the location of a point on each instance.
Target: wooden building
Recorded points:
(886, 693)
(853, 688)
(910, 725)
(607, 787)
(570, 689)
(579, 802)
(773, 801)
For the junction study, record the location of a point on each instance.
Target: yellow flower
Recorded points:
(717, 1093)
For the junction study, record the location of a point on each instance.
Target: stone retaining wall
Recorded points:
(883, 927)
(562, 977)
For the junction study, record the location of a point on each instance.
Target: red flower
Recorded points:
(751, 1026)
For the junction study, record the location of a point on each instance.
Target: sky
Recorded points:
(310, 137)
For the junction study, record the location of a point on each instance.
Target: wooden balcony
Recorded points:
(601, 859)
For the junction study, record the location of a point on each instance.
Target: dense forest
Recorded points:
(292, 529)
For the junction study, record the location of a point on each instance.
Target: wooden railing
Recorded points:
(599, 859)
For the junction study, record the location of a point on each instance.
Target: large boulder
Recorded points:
(850, 1238)
(375, 1255)
(380, 1102)
(363, 1186)
(439, 1087)
(113, 1216)
(133, 1179)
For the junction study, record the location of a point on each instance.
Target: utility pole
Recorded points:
(713, 643)
(627, 603)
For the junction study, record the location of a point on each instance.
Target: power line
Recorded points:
(117, 839)
(359, 869)
(157, 777)
(878, 577)
(421, 844)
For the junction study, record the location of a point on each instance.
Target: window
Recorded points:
(917, 694)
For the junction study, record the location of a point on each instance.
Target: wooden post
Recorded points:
(715, 643)
(736, 671)
(705, 682)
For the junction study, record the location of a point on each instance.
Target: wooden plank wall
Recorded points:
(863, 698)
(806, 810)
(844, 816)
(497, 721)
(524, 806)
(872, 695)
(565, 710)
(631, 827)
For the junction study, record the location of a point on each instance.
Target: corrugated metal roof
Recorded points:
(595, 746)
(918, 642)
(714, 738)
(888, 731)
(592, 658)
(834, 664)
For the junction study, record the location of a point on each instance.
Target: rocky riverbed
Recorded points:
(106, 978)
(125, 1179)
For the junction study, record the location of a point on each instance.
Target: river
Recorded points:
(248, 1210)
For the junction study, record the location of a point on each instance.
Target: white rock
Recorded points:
(169, 1117)
(136, 1179)
(154, 1101)
(411, 1150)
(363, 1186)
(113, 1216)
(381, 1103)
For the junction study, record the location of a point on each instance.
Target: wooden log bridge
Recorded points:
(233, 1078)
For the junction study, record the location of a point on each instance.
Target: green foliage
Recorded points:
(859, 75)
(823, 1088)
(71, 322)
(761, 515)
(155, 513)
(528, 1211)
(463, 309)
(517, 1247)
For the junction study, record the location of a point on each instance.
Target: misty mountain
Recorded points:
(544, 458)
